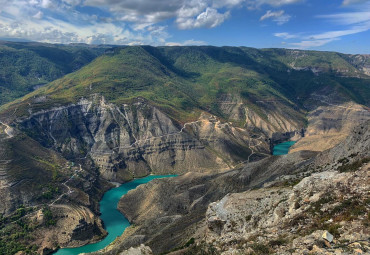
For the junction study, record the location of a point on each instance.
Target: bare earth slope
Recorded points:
(330, 124)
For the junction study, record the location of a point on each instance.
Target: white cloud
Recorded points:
(187, 13)
(348, 18)
(186, 43)
(72, 2)
(47, 4)
(210, 18)
(136, 43)
(278, 16)
(285, 35)
(140, 10)
(352, 22)
(28, 20)
(191, 9)
(38, 15)
(350, 2)
(316, 40)
(43, 34)
(340, 33)
(57, 31)
(117, 22)
(227, 3)
(311, 43)
(270, 14)
(253, 4)
(158, 32)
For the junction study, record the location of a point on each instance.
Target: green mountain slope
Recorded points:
(26, 66)
(185, 80)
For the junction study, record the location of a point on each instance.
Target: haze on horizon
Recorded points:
(338, 25)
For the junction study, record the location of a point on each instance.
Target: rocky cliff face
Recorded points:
(26, 170)
(47, 198)
(294, 219)
(134, 140)
(67, 149)
(330, 124)
(59, 151)
(277, 212)
(269, 116)
(75, 225)
(165, 224)
(362, 62)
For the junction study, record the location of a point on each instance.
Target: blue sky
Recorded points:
(335, 25)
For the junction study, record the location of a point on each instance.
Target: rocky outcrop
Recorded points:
(330, 124)
(267, 116)
(140, 250)
(362, 62)
(26, 171)
(134, 140)
(74, 226)
(281, 219)
(271, 211)
(92, 138)
(226, 115)
(166, 213)
(349, 154)
(55, 200)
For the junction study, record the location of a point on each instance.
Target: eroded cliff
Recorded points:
(278, 211)
(133, 140)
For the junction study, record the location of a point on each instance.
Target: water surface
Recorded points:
(282, 148)
(114, 222)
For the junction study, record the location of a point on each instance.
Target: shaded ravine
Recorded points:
(282, 148)
(114, 222)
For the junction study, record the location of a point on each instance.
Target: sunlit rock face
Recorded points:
(134, 140)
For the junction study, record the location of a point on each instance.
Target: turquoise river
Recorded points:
(114, 222)
(282, 148)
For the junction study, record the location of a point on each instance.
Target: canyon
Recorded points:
(209, 114)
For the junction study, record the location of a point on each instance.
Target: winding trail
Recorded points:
(254, 151)
(137, 141)
(254, 146)
(69, 190)
(52, 203)
(8, 129)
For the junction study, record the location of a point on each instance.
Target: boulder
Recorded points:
(327, 236)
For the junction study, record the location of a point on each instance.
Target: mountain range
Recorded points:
(75, 118)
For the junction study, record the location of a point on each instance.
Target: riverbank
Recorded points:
(282, 148)
(115, 223)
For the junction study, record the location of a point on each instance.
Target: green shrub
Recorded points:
(260, 249)
(353, 166)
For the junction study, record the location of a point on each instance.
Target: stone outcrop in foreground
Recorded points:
(292, 220)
